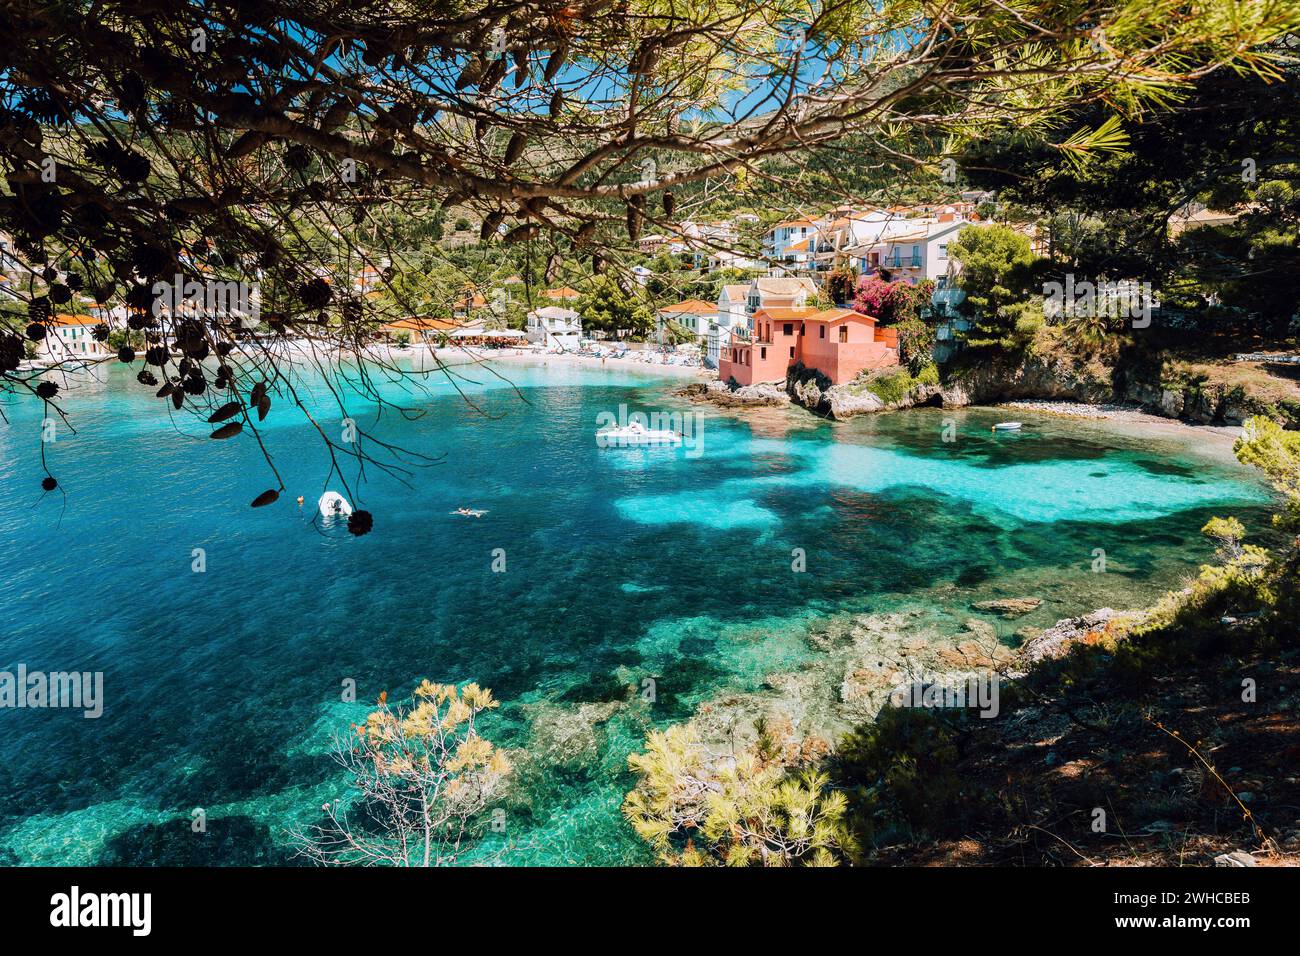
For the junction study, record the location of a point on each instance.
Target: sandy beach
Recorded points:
(499, 357)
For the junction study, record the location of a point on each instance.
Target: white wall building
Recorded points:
(916, 253)
(555, 327)
(69, 338)
(787, 242)
(733, 307)
(693, 315)
(732, 313)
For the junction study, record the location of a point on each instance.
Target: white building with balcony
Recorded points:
(915, 253)
(555, 327)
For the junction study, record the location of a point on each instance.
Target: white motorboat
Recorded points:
(1007, 427)
(332, 504)
(634, 433)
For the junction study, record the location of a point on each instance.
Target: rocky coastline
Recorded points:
(865, 661)
(1073, 389)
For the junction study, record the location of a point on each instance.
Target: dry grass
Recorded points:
(1259, 380)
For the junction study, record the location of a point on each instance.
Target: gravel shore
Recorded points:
(1124, 415)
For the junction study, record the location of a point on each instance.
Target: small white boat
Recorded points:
(332, 504)
(1007, 427)
(635, 433)
(469, 512)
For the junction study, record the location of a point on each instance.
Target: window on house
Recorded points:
(762, 353)
(943, 252)
(792, 351)
(822, 330)
(844, 333)
(789, 328)
(802, 328)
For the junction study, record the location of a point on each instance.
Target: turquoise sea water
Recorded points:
(223, 688)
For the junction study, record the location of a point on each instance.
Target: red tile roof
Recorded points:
(691, 306)
(783, 312)
(840, 315)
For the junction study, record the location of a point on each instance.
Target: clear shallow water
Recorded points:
(223, 688)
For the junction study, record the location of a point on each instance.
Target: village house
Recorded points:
(704, 241)
(732, 312)
(368, 279)
(1196, 215)
(837, 342)
(921, 253)
(654, 243)
(737, 302)
(733, 304)
(10, 267)
(471, 301)
(72, 338)
(555, 327)
(693, 315)
(787, 242)
(779, 292)
(729, 259)
(814, 246)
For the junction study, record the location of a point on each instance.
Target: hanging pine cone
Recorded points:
(360, 522)
(315, 293)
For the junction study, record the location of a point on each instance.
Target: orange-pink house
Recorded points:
(839, 343)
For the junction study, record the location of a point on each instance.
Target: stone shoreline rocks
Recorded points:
(864, 661)
(1108, 411)
(1057, 640)
(1009, 607)
(1080, 389)
(759, 395)
(867, 658)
